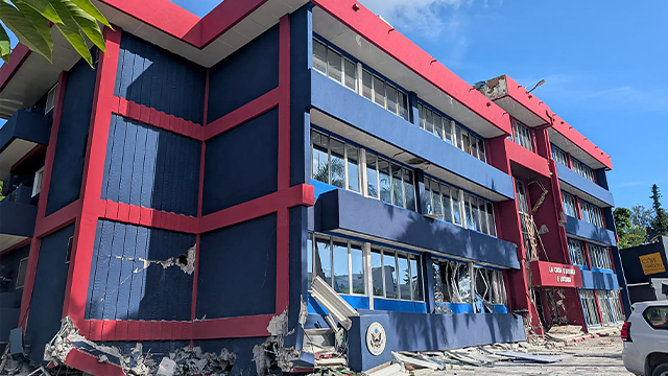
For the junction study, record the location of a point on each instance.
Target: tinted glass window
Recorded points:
(657, 317)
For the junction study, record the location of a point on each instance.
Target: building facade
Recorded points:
(188, 190)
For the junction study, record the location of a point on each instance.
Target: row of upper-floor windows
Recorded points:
(582, 169)
(449, 131)
(588, 212)
(362, 80)
(359, 79)
(598, 255)
(522, 135)
(345, 165)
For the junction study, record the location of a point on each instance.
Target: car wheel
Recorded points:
(660, 370)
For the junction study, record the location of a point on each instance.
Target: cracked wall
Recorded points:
(140, 273)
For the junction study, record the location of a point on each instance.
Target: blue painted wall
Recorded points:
(343, 210)
(124, 287)
(68, 162)
(154, 77)
(423, 332)
(151, 167)
(245, 75)
(572, 178)
(27, 126)
(346, 105)
(46, 303)
(237, 270)
(586, 230)
(595, 280)
(242, 164)
(10, 295)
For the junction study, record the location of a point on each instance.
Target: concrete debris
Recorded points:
(271, 356)
(182, 362)
(330, 300)
(387, 369)
(185, 262)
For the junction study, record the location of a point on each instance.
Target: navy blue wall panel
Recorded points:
(300, 94)
(341, 210)
(245, 75)
(151, 167)
(574, 179)
(48, 294)
(237, 270)
(68, 162)
(586, 230)
(156, 78)
(127, 280)
(242, 164)
(9, 269)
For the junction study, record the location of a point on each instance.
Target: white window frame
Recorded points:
(577, 251)
(568, 201)
(37, 182)
(51, 99)
(522, 135)
(589, 306)
(559, 155)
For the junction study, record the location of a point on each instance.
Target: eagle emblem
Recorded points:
(375, 338)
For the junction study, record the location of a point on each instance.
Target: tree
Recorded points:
(641, 216)
(29, 20)
(659, 224)
(630, 234)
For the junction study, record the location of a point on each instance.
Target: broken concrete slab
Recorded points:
(330, 300)
(530, 357)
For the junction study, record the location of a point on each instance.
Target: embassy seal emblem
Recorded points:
(375, 339)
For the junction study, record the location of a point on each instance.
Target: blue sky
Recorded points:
(604, 62)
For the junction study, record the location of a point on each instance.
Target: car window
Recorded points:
(657, 317)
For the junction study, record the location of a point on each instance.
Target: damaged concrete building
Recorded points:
(213, 180)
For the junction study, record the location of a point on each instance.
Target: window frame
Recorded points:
(314, 237)
(644, 316)
(51, 99)
(565, 198)
(522, 135)
(589, 307)
(37, 182)
(382, 250)
(558, 154)
(21, 274)
(578, 250)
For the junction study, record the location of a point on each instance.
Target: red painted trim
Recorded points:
(58, 220)
(104, 103)
(369, 26)
(282, 260)
(33, 255)
(587, 255)
(90, 364)
(527, 100)
(16, 60)
(581, 141)
(120, 212)
(287, 198)
(577, 206)
(158, 119)
(243, 114)
(35, 152)
(527, 158)
(16, 246)
(222, 18)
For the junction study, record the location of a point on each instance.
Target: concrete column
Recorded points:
(428, 273)
(366, 251)
(420, 192)
(413, 106)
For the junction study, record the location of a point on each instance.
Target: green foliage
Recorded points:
(641, 216)
(29, 21)
(630, 234)
(659, 223)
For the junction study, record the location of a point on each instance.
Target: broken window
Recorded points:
(455, 282)
(589, 307)
(490, 287)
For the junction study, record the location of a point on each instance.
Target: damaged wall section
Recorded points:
(140, 273)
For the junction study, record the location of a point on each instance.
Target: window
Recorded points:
(389, 182)
(591, 214)
(606, 310)
(338, 261)
(616, 305)
(396, 275)
(522, 135)
(51, 99)
(526, 220)
(657, 317)
(589, 306)
(443, 128)
(339, 68)
(559, 155)
(583, 170)
(69, 249)
(37, 182)
(490, 287)
(455, 282)
(23, 269)
(569, 204)
(443, 203)
(576, 248)
(599, 256)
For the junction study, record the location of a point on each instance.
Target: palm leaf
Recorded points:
(25, 31)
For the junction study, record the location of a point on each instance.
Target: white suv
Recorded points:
(645, 336)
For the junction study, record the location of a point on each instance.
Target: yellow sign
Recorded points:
(652, 263)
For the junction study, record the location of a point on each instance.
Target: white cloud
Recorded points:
(430, 17)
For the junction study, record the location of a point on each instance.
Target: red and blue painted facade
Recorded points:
(178, 203)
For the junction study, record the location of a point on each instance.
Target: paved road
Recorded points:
(598, 356)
